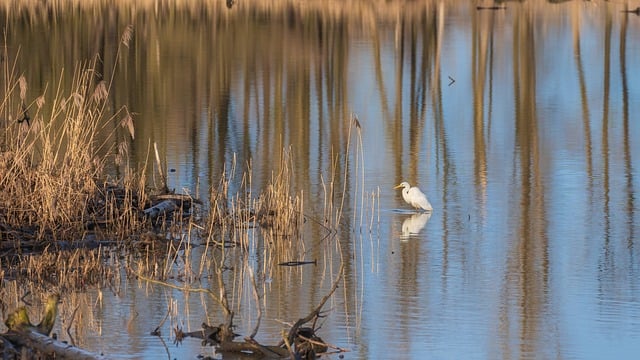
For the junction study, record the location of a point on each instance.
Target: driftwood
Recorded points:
(164, 207)
(169, 203)
(301, 341)
(46, 346)
(212, 336)
(307, 344)
(22, 333)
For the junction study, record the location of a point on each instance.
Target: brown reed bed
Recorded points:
(59, 211)
(55, 194)
(65, 225)
(53, 153)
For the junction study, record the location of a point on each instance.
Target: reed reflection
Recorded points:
(530, 256)
(628, 167)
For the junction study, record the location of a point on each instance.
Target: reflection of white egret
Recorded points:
(414, 224)
(414, 197)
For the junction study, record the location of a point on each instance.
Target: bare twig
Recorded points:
(184, 288)
(316, 312)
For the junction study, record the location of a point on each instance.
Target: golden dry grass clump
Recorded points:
(53, 152)
(55, 149)
(276, 210)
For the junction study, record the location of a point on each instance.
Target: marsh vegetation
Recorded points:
(176, 193)
(68, 225)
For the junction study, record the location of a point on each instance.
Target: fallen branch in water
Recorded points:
(300, 341)
(298, 334)
(162, 208)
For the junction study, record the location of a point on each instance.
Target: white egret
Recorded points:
(414, 196)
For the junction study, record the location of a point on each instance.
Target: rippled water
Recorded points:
(517, 123)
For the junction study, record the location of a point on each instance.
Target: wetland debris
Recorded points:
(301, 342)
(162, 208)
(210, 335)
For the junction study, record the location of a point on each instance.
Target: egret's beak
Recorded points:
(397, 186)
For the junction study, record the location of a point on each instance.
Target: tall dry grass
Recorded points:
(53, 152)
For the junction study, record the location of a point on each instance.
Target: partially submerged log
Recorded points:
(169, 202)
(48, 347)
(22, 333)
(162, 208)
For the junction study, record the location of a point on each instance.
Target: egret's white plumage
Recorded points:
(414, 197)
(413, 224)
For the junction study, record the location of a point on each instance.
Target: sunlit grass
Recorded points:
(60, 209)
(52, 157)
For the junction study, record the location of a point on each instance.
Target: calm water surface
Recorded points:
(519, 124)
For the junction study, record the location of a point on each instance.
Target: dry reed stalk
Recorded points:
(333, 211)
